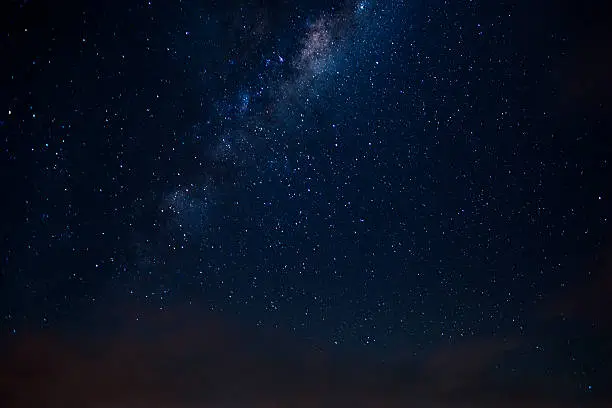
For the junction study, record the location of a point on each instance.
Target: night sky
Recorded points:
(324, 203)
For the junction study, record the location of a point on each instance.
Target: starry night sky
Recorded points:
(359, 202)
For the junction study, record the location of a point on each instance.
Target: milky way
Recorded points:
(252, 135)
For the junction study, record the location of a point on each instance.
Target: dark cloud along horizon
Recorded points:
(180, 360)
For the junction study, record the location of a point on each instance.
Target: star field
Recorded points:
(376, 178)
